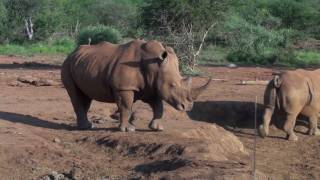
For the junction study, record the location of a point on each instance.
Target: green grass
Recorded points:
(61, 46)
(213, 55)
(308, 58)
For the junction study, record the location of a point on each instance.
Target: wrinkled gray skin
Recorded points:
(124, 73)
(294, 92)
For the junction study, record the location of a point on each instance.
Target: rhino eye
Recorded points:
(173, 85)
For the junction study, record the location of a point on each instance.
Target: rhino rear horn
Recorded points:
(187, 82)
(195, 92)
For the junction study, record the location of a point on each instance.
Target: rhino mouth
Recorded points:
(180, 107)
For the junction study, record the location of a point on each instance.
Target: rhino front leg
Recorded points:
(157, 108)
(313, 122)
(125, 103)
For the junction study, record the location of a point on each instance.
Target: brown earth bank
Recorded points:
(215, 140)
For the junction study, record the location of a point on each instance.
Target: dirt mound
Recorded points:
(206, 149)
(218, 144)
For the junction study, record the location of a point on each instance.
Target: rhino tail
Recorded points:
(277, 81)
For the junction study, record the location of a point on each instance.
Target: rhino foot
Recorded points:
(263, 132)
(155, 125)
(85, 126)
(292, 137)
(315, 132)
(128, 128)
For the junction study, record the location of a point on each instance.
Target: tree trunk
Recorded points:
(29, 28)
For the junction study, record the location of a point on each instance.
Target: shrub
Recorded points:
(98, 34)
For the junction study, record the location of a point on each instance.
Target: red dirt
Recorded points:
(37, 134)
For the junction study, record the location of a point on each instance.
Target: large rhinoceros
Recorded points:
(122, 74)
(293, 92)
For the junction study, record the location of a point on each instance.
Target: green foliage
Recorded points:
(157, 15)
(307, 58)
(3, 19)
(98, 34)
(121, 14)
(61, 46)
(255, 35)
(213, 55)
(247, 31)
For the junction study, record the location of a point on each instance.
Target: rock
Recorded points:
(98, 121)
(231, 65)
(46, 82)
(75, 173)
(55, 176)
(27, 79)
(46, 177)
(16, 84)
(56, 140)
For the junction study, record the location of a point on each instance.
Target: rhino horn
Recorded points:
(195, 92)
(187, 82)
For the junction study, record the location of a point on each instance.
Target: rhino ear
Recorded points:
(164, 57)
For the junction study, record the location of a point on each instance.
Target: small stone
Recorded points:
(231, 65)
(75, 173)
(60, 177)
(47, 177)
(99, 121)
(56, 140)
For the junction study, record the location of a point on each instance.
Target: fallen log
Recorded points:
(36, 81)
(257, 82)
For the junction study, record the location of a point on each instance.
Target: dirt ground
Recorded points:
(38, 139)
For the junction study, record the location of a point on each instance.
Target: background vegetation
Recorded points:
(264, 32)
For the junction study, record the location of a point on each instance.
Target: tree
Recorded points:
(183, 24)
(121, 14)
(3, 20)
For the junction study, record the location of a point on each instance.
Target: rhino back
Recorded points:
(96, 70)
(300, 90)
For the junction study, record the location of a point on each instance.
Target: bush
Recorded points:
(98, 34)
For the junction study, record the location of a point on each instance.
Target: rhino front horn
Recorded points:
(195, 92)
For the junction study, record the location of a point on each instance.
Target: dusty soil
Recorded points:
(38, 138)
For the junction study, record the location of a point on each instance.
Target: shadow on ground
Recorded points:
(160, 166)
(227, 113)
(36, 122)
(30, 65)
(32, 121)
(236, 114)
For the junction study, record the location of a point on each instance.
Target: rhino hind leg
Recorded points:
(125, 102)
(157, 108)
(313, 122)
(82, 105)
(80, 102)
(289, 127)
(264, 128)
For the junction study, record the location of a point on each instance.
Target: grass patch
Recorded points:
(52, 47)
(213, 55)
(308, 58)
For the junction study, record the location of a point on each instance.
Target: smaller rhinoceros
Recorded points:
(124, 73)
(293, 92)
